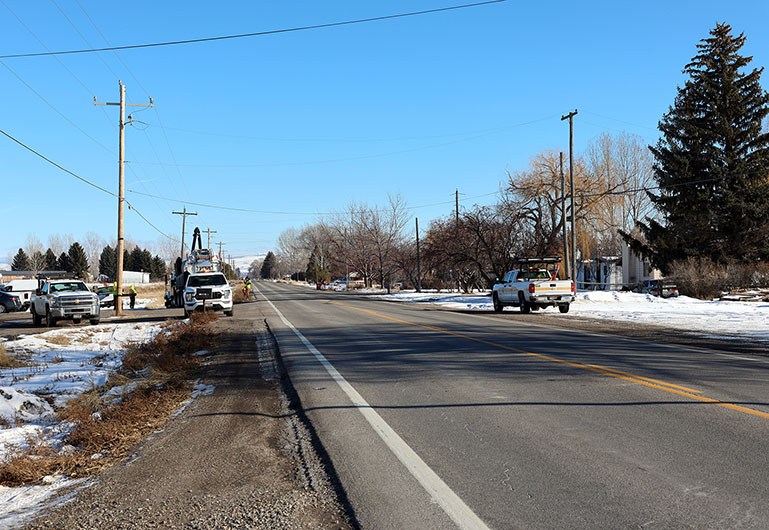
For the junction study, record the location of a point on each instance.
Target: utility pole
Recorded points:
(566, 263)
(456, 208)
(570, 117)
(456, 229)
(419, 266)
(209, 232)
(121, 190)
(184, 213)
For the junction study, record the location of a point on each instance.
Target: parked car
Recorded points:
(24, 289)
(9, 302)
(662, 288)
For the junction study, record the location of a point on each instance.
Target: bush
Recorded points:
(705, 279)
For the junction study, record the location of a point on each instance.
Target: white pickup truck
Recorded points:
(534, 285)
(58, 300)
(207, 291)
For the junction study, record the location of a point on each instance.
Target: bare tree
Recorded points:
(623, 165)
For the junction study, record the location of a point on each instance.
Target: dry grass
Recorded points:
(152, 290)
(9, 361)
(237, 293)
(61, 340)
(106, 430)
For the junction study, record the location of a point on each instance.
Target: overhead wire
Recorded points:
(254, 34)
(91, 92)
(361, 157)
(146, 92)
(86, 181)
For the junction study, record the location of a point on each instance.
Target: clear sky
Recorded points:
(308, 121)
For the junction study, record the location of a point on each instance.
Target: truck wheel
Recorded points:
(76, 321)
(563, 308)
(497, 304)
(49, 320)
(2, 308)
(94, 321)
(525, 307)
(36, 319)
(229, 313)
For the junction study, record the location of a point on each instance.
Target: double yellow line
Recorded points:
(611, 372)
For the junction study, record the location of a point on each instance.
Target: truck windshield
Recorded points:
(68, 286)
(204, 281)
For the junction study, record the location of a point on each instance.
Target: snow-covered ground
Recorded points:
(62, 364)
(728, 319)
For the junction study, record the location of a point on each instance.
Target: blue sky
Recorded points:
(309, 121)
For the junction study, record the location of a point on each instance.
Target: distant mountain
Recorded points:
(243, 262)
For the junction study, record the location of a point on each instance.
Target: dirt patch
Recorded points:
(104, 426)
(10, 361)
(236, 458)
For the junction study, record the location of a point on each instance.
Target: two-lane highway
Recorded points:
(435, 419)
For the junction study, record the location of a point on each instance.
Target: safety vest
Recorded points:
(133, 289)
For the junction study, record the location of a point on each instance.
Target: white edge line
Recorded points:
(440, 492)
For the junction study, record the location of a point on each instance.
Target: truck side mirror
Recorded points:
(38, 292)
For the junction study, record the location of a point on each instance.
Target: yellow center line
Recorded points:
(685, 389)
(645, 381)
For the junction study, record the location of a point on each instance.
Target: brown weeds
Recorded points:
(106, 430)
(9, 361)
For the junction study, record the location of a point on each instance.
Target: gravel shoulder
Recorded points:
(236, 458)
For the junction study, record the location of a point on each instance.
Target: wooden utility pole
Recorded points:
(184, 213)
(121, 190)
(419, 266)
(570, 117)
(566, 263)
(209, 232)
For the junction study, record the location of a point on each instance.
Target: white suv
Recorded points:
(208, 290)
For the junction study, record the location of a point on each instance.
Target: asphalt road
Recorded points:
(436, 419)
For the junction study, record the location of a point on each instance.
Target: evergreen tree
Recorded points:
(50, 260)
(108, 262)
(20, 261)
(268, 266)
(62, 263)
(145, 261)
(712, 162)
(158, 268)
(134, 260)
(315, 272)
(78, 261)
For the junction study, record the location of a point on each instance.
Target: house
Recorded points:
(636, 268)
(603, 273)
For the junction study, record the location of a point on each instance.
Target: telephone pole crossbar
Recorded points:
(184, 213)
(121, 189)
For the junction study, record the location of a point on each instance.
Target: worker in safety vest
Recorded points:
(247, 288)
(132, 294)
(114, 295)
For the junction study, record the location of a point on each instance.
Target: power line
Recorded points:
(348, 159)
(86, 181)
(254, 34)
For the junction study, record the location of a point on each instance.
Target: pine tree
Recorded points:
(145, 261)
(134, 260)
(62, 263)
(158, 268)
(78, 261)
(50, 260)
(268, 266)
(108, 262)
(20, 261)
(712, 162)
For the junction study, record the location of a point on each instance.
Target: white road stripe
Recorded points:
(451, 503)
